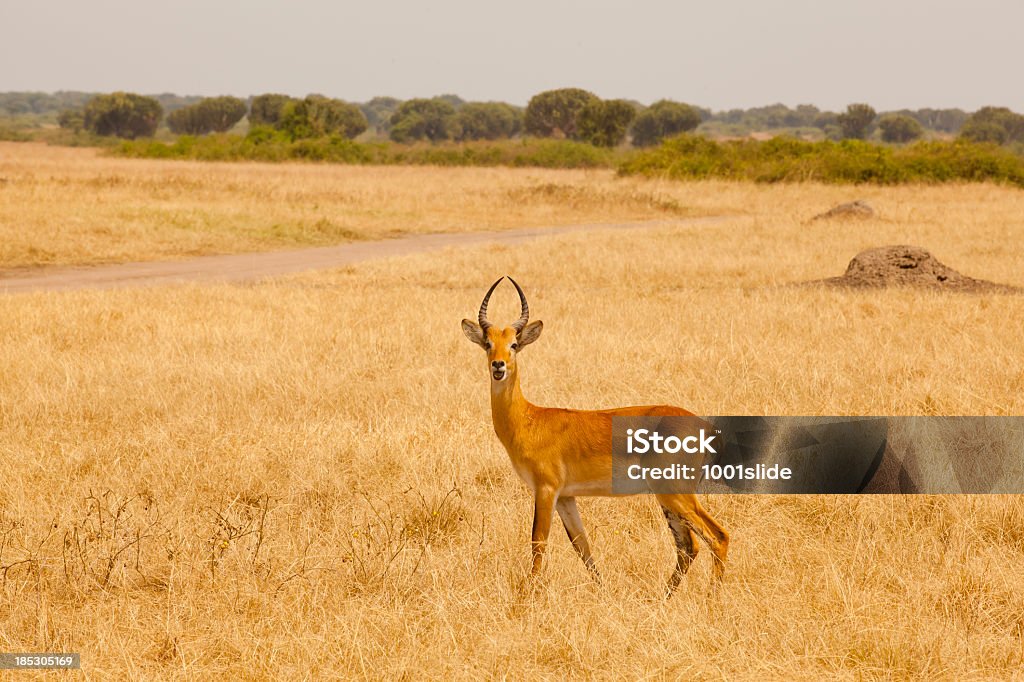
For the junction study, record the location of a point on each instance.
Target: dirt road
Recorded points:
(255, 266)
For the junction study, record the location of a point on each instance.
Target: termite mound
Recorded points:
(909, 266)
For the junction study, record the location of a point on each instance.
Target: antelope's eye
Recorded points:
(514, 346)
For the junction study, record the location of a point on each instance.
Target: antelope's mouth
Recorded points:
(499, 374)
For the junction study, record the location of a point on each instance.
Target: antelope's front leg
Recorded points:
(543, 511)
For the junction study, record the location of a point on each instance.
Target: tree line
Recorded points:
(989, 124)
(47, 105)
(565, 113)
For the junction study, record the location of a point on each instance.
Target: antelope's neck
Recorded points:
(509, 412)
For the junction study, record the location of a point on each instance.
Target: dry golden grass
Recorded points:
(309, 484)
(62, 206)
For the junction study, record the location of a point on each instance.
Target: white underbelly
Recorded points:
(583, 488)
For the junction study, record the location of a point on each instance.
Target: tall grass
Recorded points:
(300, 478)
(785, 159)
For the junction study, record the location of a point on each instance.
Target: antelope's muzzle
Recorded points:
(498, 370)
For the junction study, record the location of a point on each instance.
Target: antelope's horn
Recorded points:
(482, 315)
(525, 317)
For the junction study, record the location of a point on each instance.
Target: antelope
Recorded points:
(562, 454)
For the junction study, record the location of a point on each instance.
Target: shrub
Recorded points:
(561, 154)
(335, 148)
(453, 100)
(825, 120)
(943, 120)
(529, 152)
(662, 119)
(122, 114)
(71, 119)
(984, 131)
(899, 128)
(378, 112)
(213, 114)
(416, 119)
(264, 143)
(318, 116)
(267, 109)
(488, 121)
(856, 121)
(604, 123)
(783, 159)
(994, 124)
(553, 113)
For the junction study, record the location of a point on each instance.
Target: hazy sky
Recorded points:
(716, 53)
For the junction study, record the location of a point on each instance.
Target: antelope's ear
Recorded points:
(474, 333)
(530, 333)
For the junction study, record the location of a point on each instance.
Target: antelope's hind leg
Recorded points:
(689, 509)
(570, 516)
(686, 547)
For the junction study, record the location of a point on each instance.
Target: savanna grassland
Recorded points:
(70, 206)
(299, 478)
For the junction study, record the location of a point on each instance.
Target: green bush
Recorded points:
(783, 159)
(264, 143)
(984, 131)
(266, 110)
(416, 119)
(213, 114)
(604, 123)
(994, 124)
(378, 112)
(71, 119)
(529, 152)
(855, 121)
(561, 154)
(553, 113)
(122, 114)
(488, 121)
(899, 128)
(319, 116)
(662, 119)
